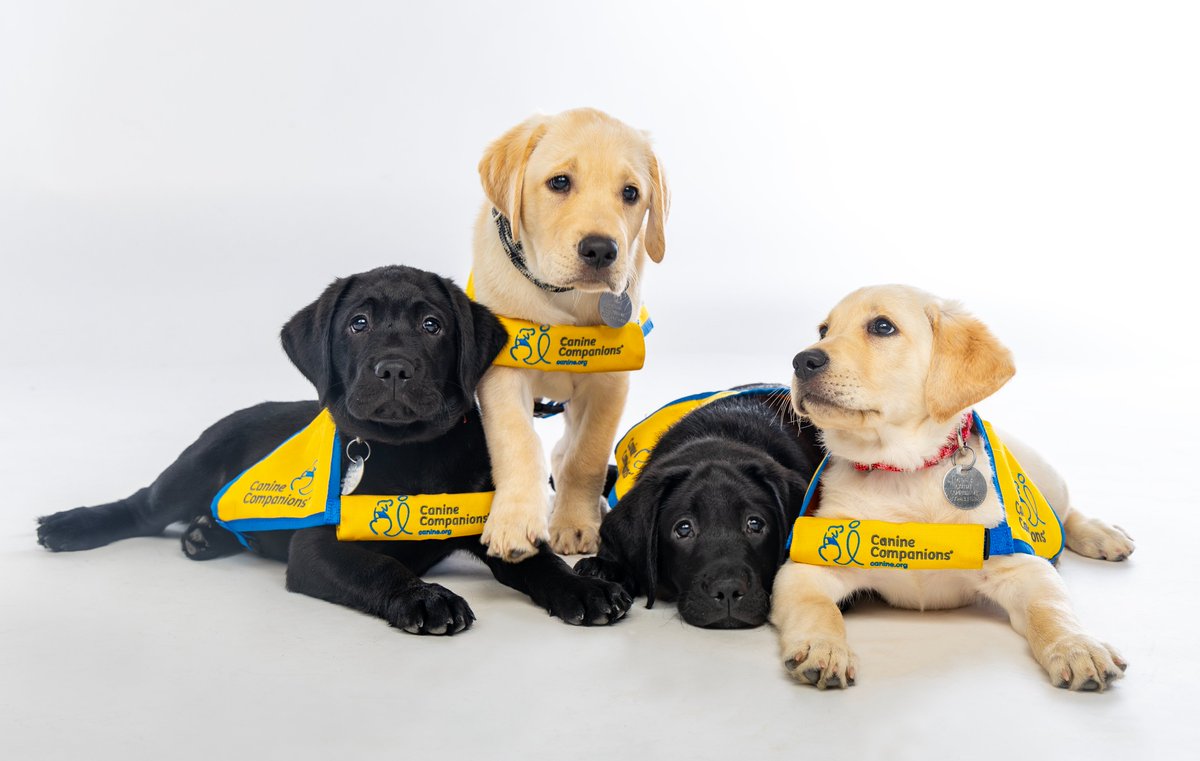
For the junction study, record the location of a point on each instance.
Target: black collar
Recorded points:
(516, 254)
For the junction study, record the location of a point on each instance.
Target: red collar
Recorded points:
(950, 447)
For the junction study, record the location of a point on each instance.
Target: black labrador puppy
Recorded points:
(707, 521)
(395, 355)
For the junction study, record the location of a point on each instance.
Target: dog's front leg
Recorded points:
(581, 461)
(812, 632)
(518, 518)
(1035, 597)
(352, 574)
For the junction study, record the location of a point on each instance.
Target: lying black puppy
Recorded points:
(707, 520)
(395, 355)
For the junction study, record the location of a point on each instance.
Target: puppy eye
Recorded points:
(630, 194)
(559, 183)
(684, 529)
(755, 525)
(359, 323)
(881, 326)
(823, 331)
(431, 326)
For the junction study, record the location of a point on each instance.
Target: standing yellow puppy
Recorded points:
(575, 202)
(922, 500)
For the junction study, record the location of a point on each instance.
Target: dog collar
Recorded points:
(516, 253)
(954, 442)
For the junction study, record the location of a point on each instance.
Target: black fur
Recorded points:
(426, 438)
(734, 459)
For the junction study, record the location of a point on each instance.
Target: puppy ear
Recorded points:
(480, 337)
(629, 534)
(306, 337)
(660, 207)
(788, 489)
(502, 168)
(968, 364)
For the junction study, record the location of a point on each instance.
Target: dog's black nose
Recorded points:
(727, 592)
(810, 363)
(396, 370)
(598, 251)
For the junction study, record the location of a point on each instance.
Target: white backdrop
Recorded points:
(176, 179)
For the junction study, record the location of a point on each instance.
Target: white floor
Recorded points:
(131, 651)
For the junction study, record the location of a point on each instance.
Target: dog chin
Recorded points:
(595, 285)
(709, 619)
(826, 413)
(393, 423)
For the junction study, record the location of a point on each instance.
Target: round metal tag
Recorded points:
(616, 310)
(353, 477)
(965, 488)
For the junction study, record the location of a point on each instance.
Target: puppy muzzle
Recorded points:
(727, 597)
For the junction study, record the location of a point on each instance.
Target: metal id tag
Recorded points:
(356, 468)
(964, 486)
(616, 310)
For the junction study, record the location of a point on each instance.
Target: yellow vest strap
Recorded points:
(298, 486)
(572, 348)
(849, 543)
(415, 516)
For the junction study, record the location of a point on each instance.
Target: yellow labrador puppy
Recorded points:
(575, 203)
(891, 383)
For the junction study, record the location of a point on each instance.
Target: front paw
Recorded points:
(1078, 662)
(429, 609)
(822, 663)
(585, 601)
(1096, 539)
(575, 532)
(567, 539)
(513, 532)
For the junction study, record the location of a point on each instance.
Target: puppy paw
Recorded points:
(429, 609)
(70, 530)
(1096, 539)
(203, 539)
(574, 540)
(1078, 662)
(586, 601)
(575, 532)
(602, 568)
(513, 532)
(822, 663)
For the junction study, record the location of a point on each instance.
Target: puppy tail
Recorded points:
(84, 528)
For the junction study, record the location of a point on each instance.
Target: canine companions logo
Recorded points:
(1026, 504)
(389, 521)
(524, 351)
(633, 460)
(832, 551)
(306, 481)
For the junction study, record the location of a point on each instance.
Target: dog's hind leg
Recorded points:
(181, 492)
(86, 527)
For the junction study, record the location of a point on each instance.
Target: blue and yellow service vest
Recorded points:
(572, 348)
(635, 447)
(299, 485)
(1029, 526)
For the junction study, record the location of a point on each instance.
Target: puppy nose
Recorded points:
(727, 591)
(598, 251)
(394, 370)
(810, 363)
